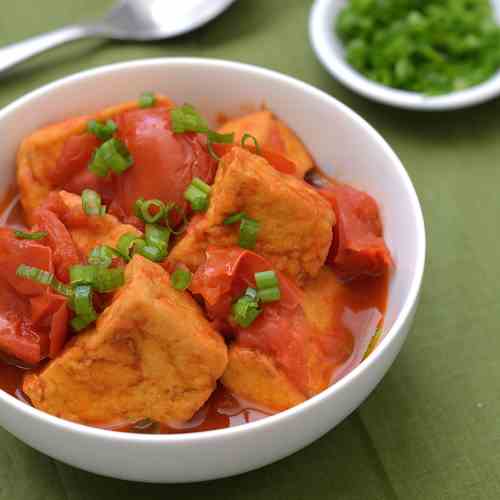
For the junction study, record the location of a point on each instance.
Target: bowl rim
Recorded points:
(390, 335)
(320, 33)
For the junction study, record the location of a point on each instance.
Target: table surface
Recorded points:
(431, 430)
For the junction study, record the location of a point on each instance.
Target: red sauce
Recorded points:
(223, 409)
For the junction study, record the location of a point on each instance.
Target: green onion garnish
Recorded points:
(266, 279)
(147, 100)
(78, 323)
(251, 292)
(102, 256)
(232, 219)
(44, 278)
(137, 207)
(173, 206)
(247, 136)
(187, 119)
(82, 274)
(197, 194)
(83, 307)
(102, 131)
(245, 310)
(249, 228)
(180, 279)
(125, 244)
(37, 235)
(151, 216)
(91, 203)
(157, 235)
(151, 252)
(112, 154)
(269, 294)
(108, 280)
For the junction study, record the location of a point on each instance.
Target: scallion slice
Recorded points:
(269, 294)
(180, 279)
(35, 274)
(152, 216)
(201, 185)
(108, 280)
(82, 274)
(83, 307)
(102, 131)
(157, 235)
(147, 100)
(36, 235)
(197, 198)
(173, 206)
(266, 279)
(234, 218)
(91, 202)
(137, 207)
(125, 244)
(112, 154)
(249, 229)
(251, 292)
(245, 310)
(102, 256)
(78, 323)
(187, 119)
(151, 252)
(245, 138)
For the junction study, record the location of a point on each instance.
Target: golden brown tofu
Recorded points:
(152, 354)
(38, 153)
(89, 231)
(272, 134)
(295, 221)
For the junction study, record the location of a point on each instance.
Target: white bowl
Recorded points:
(345, 146)
(330, 52)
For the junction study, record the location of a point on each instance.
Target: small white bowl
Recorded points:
(345, 146)
(330, 52)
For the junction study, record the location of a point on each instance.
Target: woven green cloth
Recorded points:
(431, 430)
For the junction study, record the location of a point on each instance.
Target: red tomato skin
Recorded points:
(164, 162)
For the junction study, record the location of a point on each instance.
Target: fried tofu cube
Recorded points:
(39, 152)
(295, 221)
(152, 354)
(89, 231)
(272, 134)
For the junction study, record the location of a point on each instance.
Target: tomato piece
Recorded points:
(58, 330)
(14, 252)
(275, 159)
(64, 252)
(75, 156)
(164, 162)
(358, 245)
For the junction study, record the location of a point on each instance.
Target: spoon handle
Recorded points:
(15, 53)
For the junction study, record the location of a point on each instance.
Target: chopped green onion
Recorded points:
(82, 275)
(173, 206)
(247, 136)
(35, 274)
(137, 207)
(82, 301)
(108, 280)
(232, 219)
(216, 138)
(102, 256)
(125, 244)
(151, 252)
(112, 154)
(37, 235)
(157, 235)
(249, 228)
(91, 202)
(266, 279)
(180, 279)
(102, 131)
(211, 151)
(147, 100)
(151, 217)
(245, 310)
(251, 292)
(78, 323)
(187, 119)
(269, 294)
(197, 198)
(61, 288)
(202, 186)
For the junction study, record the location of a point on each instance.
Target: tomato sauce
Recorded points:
(223, 409)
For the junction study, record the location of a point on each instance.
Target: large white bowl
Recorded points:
(330, 52)
(345, 146)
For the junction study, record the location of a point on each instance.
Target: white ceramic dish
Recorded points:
(344, 145)
(330, 52)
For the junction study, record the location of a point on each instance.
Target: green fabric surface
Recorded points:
(431, 430)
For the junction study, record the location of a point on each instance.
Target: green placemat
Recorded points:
(432, 428)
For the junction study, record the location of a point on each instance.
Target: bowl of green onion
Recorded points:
(415, 54)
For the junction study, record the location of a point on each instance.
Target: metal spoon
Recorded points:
(141, 20)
